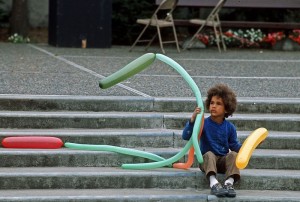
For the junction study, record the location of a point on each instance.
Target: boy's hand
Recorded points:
(195, 113)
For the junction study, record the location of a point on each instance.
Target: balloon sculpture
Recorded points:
(137, 66)
(129, 70)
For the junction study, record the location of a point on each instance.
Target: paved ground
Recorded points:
(46, 70)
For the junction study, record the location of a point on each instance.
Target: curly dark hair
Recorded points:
(227, 95)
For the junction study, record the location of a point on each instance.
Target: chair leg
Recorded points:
(191, 42)
(221, 33)
(217, 38)
(176, 40)
(160, 40)
(222, 38)
(150, 42)
(138, 38)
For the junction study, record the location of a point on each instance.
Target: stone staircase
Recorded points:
(147, 124)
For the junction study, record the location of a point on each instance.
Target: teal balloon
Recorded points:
(132, 152)
(197, 93)
(194, 139)
(129, 70)
(159, 164)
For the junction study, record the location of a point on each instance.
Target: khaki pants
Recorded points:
(213, 164)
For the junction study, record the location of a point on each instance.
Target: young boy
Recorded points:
(218, 143)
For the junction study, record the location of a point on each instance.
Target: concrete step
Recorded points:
(268, 105)
(276, 140)
(107, 195)
(156, 138)
(64, 157)
(118, 178)
(75, 103)
(148, 124)
(117, 137)
(275, 159)
(135, 103)
(142, 195)
(246, 122)
(66, 119)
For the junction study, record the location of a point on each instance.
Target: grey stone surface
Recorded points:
(39, 83)
(261, 159)
(46, 70)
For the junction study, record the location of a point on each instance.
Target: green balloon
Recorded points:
(132, 152)
(159, 164)
(194, 139)
(129, 70)
(197, 93)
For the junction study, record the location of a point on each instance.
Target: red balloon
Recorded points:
(32, 142)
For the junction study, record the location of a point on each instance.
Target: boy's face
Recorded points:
(217, 108)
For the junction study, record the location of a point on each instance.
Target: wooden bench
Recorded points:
(276, 4)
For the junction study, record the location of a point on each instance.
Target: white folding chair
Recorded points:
(212, 20)
(165, 8)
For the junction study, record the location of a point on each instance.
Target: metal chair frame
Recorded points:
(212, 20)
(168, 7)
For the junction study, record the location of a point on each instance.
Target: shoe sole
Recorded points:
(231, 195)
(222, 194)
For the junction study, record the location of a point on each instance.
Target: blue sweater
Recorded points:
(217, 138)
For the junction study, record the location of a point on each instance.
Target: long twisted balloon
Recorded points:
(194, 140)
(133, 68)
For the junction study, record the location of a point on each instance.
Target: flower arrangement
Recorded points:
(244, 38)
(235, 38)
(249, 38)
(204, 38)
(15, 38)
(295, 36)
(272, 38)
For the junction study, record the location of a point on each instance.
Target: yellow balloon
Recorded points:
(251, 142)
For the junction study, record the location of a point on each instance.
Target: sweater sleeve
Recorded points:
(188, 130)
(234, 143)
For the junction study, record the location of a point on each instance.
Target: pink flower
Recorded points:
(229, 34)
(203, 38)
(295, 36)
(274, 37)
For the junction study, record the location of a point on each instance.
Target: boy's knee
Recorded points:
(208, 155)
(233, 154)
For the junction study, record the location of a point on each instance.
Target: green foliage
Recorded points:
(124, 16)
(15, 38)
(2, 13)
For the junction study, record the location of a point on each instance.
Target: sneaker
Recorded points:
(218, 190)
(230, 190)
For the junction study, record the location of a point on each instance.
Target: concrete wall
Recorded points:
(38, 11)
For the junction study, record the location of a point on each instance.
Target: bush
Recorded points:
(2, 12)
(16, 38)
